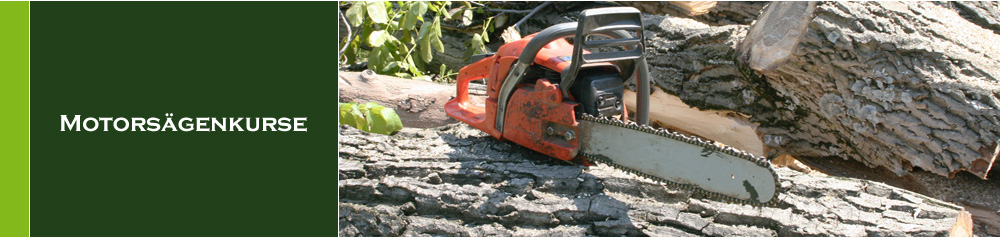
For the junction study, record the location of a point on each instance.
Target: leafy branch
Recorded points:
(396, 39)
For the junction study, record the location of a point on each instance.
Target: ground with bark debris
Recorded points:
(457, 181)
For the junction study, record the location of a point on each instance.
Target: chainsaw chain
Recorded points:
(760, 161)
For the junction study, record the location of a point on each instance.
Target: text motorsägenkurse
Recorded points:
(184, 124)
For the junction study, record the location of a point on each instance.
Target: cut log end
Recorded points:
(963, 225)
(694, 8)
(728, 128)
(776, 34)
(981, 167)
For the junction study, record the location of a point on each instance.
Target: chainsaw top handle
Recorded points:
(612, 22)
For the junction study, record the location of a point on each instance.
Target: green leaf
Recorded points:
(374, 60)
(349, 114)
(376, 38)
(475, 46)
(392, 26)
(403, 66)
(425, 29)
(366, 106)
(415, 12)
(436, 28)
(392, 66)
(392, 45)
(409, 21)
(386, 58)
(435, 36)
(413, 69)
(407, 37)
(424, 44)
(383, 120)
(436, 42)
(426, 53)
(488, 26)
(434, 8)
(366, 31)
(442, 69)
(351, 53)
(356, 14)
(376, 11)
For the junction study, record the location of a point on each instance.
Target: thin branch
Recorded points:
(500, 10)
(348, 42)
(509, 11)
(517, 26)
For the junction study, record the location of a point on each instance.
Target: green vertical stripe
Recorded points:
(14, 119)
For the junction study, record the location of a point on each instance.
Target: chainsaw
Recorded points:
(565, 100)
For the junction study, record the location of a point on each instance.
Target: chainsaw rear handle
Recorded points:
(560, 31)
(464, 79)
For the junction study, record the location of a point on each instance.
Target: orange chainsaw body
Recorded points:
(533, 108)
(536, 86)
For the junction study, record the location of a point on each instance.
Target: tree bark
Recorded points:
(892, 84)
(458, 181)
(986, 14)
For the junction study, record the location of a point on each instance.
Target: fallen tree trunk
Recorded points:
(458, 181)
(904, 101)
(711, 13)
(418, 103)
(892, 84)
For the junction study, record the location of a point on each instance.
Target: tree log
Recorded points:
(905, 91)
(892, 84)
(711, 13)
(418, 103)
(458, 181)
(694, 62)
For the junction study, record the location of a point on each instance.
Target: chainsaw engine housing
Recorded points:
(599, 92)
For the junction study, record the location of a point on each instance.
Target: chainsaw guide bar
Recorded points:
(764, 193)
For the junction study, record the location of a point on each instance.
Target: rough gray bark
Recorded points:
(695, 62)
(986, 14)
(458, 181)
(893, 84)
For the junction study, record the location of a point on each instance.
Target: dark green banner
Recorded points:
(183, 59)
